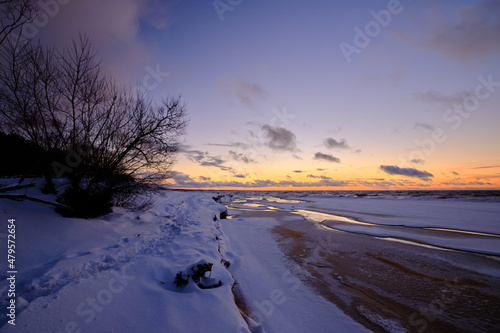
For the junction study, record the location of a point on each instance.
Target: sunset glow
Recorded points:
(313, 95)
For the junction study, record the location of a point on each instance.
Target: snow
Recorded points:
(116, 273)
(451, 224)
(275, 295)
(454, 214)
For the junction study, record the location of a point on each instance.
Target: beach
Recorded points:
(391, 284)
(240, 262)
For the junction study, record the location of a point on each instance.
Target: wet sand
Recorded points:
(391, 286)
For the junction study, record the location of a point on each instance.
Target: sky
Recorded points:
(309, 95)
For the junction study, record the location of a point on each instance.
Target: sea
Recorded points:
(474, 195)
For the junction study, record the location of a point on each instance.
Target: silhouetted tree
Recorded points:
(14, 14)
(118, 143)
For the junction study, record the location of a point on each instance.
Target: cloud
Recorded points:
(185, 181)
(332, 143)
(207, 160)
(458, 182)
(92, 17)
(408, 172)
(241, 145)
(417, 161)
(487, 167)
(114, 28)
(258, 183)
(455, 173)
(320, 177)
(298, 171)
(279, 138)
(424, 126)
(204, 159)
(435, 97)
(247, 93)
(240, 157)
(213, 161)
(326, 157)
(180, 177)
(473, 32)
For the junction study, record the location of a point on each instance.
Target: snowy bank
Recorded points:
(170, 268)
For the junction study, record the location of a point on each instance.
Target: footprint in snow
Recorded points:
(78, 254)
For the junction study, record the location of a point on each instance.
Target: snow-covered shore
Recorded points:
(117, 273)
(419, 265)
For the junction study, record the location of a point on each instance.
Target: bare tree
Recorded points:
(13, 15)
(63, 102)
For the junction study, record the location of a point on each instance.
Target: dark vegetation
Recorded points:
(197, 273)
(61, 116)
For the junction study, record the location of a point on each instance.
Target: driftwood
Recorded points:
(15, 187)
(25, 197)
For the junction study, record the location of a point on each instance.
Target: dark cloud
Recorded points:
(332, 143)
(424, 126)
(408, 172)
(475, 33)
(316, 181)
(462, 183)
(487, 167)
(326, 157)
(204, 159)
(240, 157)
(417, 161)
(213, 161)
(180, 177)
(320, 177)
(319, 169)
(471, 33)
(279, 138)
(434, 97)
(241, 145)
(455, 173)
(245, 92)
(118, 41)
(298, 171)
(182, 180)
(207, 160)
